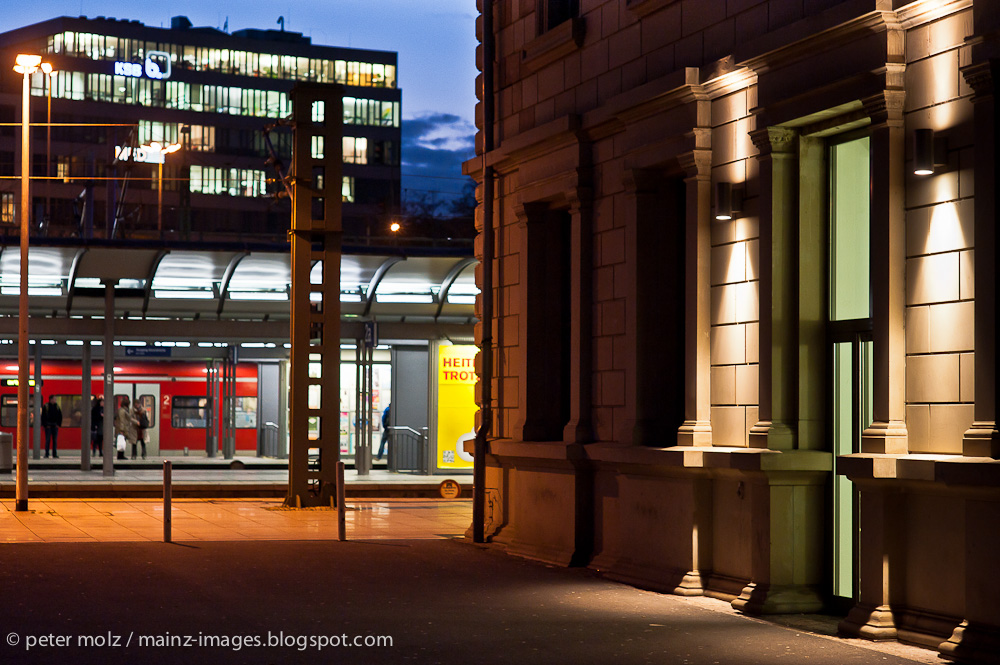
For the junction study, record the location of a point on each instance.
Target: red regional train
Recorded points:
(175, 394)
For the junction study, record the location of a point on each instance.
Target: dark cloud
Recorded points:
(434, 147)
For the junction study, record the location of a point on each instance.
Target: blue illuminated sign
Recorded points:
(156, 66)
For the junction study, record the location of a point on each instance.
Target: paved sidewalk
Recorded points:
(402, 577)
(107, 520)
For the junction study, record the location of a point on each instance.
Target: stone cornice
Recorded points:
(798, 42)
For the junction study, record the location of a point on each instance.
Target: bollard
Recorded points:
(166, 500)
(341, 508)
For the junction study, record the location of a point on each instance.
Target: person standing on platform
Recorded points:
(142, 422)
(125, 424)
(51, 421)
(97, 427)
(385, 432)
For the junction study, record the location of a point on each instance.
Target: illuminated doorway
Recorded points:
(849, 337)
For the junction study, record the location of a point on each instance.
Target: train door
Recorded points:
(147, 394)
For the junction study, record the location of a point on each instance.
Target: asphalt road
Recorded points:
(438, 601)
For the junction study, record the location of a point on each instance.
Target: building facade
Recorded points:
(211, 92)
(742, 324)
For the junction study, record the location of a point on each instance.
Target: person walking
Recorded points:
(125, 424)
(51, 422)
(97, 427)
(385, 432)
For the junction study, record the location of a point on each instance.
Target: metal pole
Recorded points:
(167, 472)
(486, 297)
(159, 200)
(341, 508)
(85, 404)
(108, 467)
(21, 491)
(36, 407)
(48, 152)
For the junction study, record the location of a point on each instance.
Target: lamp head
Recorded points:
(26, 63)
(47, 67)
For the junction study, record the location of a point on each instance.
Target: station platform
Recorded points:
(205, 477)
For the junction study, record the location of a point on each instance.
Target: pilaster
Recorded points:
(887, 433)
(982, 439)
(581, 265)
(778, 342)
(535, 338)
(697, 427)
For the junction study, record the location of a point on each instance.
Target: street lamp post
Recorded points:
(47, 69)
(26, 65)
(160, 151)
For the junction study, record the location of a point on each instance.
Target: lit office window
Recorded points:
(317, 147)
(319, 111)
(347, 191)
(355, 150)
(243, 63)
(8, 212)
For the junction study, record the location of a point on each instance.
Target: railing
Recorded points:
(408, 450)
(269, 440)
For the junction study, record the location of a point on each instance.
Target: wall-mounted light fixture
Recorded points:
(728, 201)
(928, 151)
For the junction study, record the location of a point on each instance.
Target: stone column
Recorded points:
(887, 433)
(581, 266)
(779, 348)
(697, 427)
(983, 439)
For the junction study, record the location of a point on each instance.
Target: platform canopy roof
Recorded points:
(219, 284)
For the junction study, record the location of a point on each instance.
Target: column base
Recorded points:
(578, 431)
(695, 433)
(785, 599)
(772, 435)
(981, 440)
(886, 438)
(972, 643)
(692, 584)
(21, 505)
(758, 434)
(871, 623)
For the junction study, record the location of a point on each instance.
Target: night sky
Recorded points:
(435, 40)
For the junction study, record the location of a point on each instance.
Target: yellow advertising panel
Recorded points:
(456, 412)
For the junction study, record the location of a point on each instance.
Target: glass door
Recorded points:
(849, 337)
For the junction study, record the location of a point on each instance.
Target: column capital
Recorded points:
(526, 212)
(979, 77)
(885, 107)
(696, 164)
(775, 140)
(638, 181)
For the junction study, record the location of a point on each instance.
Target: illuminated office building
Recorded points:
(743, 302)
(210, 91)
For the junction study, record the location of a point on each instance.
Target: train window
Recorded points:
(246, 412)
(149, 404)
(8, 410)
(72, 413)
(189, 412)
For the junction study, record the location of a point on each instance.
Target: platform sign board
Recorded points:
(148, 351)
(456, 410)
